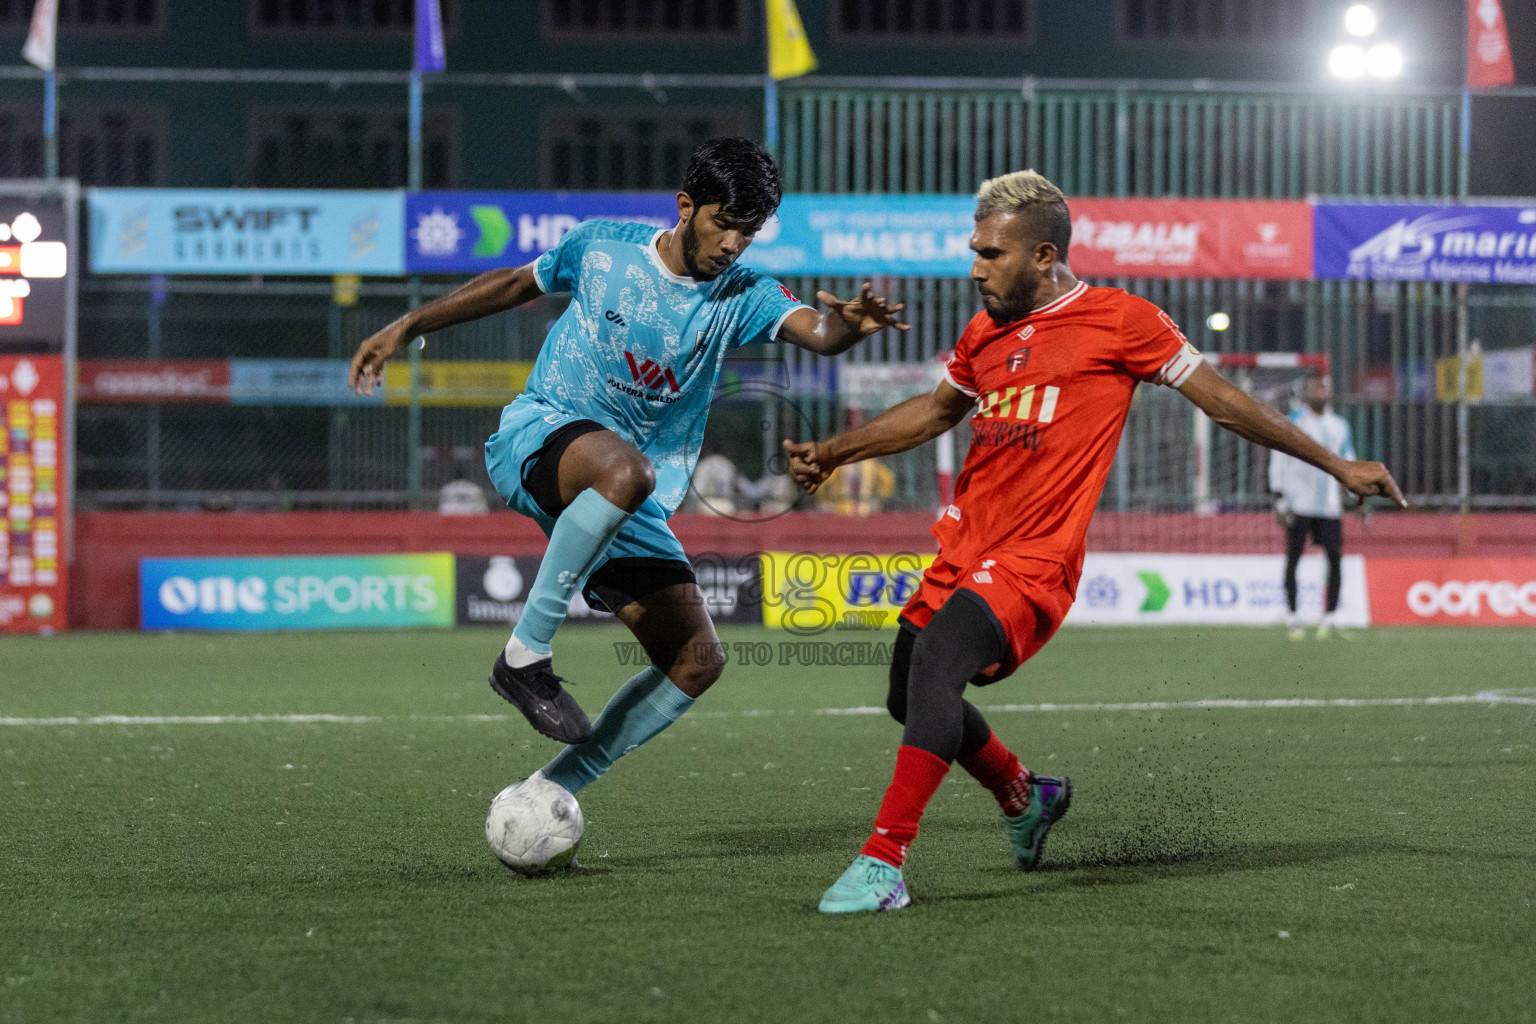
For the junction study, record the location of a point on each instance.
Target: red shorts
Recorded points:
(1028, 597)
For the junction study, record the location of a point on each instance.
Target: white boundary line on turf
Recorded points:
(1486, 697)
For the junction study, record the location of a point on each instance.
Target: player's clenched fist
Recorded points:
(808, 465)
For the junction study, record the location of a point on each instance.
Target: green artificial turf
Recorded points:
(1268, 864)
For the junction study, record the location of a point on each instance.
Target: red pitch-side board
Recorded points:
(33, 502)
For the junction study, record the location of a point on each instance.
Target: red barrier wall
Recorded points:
(104, 587)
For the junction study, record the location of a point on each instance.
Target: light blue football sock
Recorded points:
(643, 707)
(576, 545)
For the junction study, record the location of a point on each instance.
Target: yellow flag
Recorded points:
(789, 52)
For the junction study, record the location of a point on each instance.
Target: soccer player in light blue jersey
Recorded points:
(600, 446)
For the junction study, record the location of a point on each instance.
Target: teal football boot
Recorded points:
(1048, 800)
(868, 884)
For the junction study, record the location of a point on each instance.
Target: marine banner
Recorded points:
(1421, 242)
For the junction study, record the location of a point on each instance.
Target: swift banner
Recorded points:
(471, 232)
(33, 502)
(297, 592)
(929, 236)
(1478, 244)
(230, 231)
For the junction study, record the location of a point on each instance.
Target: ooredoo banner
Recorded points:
(297, 592)
(1453, 591)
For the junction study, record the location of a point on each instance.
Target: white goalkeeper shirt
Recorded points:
(1310, 491)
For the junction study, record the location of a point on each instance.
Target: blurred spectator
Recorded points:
(714, 487)
(462, 498)
(858, 489)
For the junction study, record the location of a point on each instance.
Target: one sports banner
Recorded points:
(246, 231)
(471, 232)
(1453, 591)
(1231, 590)
(929, 236)
(297, 592)
(1422, 242)
(1489, 65)
(34, 501)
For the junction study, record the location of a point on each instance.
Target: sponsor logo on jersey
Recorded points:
(1019, 358)
(1019, 403)
(788, 294)
(650, 373)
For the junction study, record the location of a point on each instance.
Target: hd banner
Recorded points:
(471, 232)
(1476, 244)
(1225, 590)
(297, 592)
(233, 231)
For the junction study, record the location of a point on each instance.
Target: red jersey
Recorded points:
(1052, 393)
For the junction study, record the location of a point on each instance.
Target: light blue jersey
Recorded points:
(639, 348)
(1310, 491)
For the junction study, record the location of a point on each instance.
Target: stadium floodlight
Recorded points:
(1360, 20)
(1218, 321)
(1384, 61)
(1347, 61)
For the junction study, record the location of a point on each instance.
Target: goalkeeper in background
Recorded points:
(1310, 502)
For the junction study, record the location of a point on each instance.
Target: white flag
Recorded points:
(39, 48)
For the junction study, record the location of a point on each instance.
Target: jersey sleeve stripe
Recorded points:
(956, 384)
(779, 323)
(537, 279)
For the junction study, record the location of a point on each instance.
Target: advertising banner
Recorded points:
(1478, 244)
(233, 231)
(929, 236)
(33, 499)
(471, 232)
(297, 592)
(1453, 591)
(34, 261)
(811, 594)
(1209, 238)
(492, 591)
(295, 382)
(1229, 590)
(104, 381)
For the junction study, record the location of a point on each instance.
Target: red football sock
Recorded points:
(996, 767)
(917, 778)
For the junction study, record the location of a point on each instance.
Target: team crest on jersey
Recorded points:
(1019, 357)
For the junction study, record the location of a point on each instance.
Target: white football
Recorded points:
(534, 826)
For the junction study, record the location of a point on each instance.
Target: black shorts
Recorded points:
(618, 581)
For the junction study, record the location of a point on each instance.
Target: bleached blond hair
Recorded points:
(1032, 194)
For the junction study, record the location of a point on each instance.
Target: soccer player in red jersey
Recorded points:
(1046, 371)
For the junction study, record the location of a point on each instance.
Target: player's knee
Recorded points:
(628, 481)
(693, 675)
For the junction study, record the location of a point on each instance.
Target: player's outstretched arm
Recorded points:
(491, 292)
(1236, 411)
(842, 324)
(900, 428)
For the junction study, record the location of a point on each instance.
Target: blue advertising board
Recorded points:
(914, 236)
(297, 592)
(471, 232)
(235, 231)
(1419, 242)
